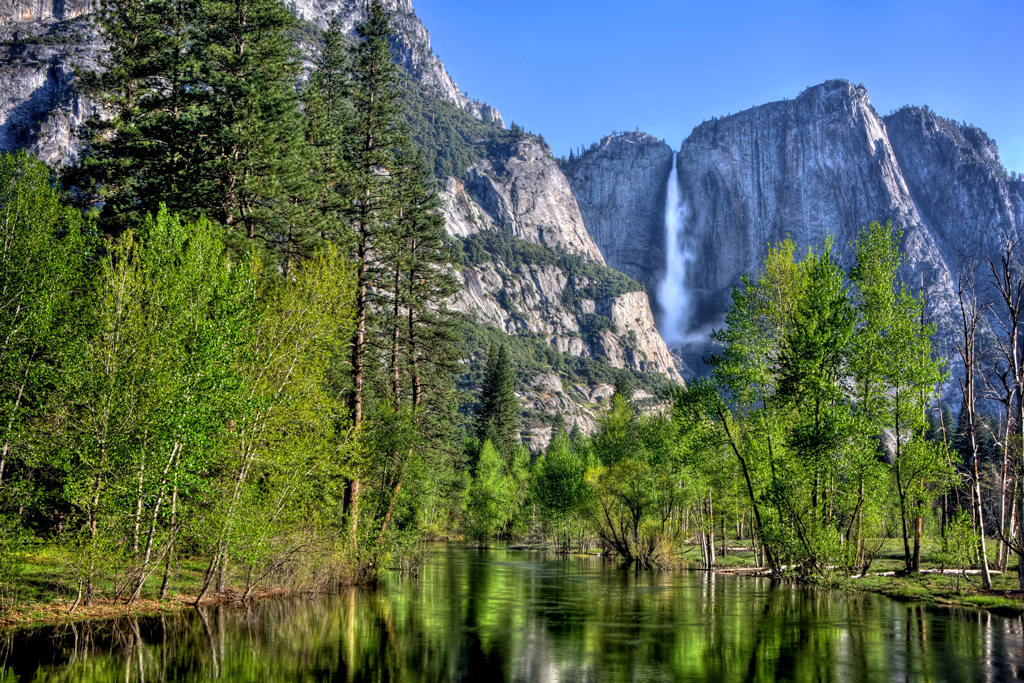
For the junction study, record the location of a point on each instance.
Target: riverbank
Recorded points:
(57, 612)
(35, 598)
(933, 585)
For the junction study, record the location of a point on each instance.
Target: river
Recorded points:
(505, 615)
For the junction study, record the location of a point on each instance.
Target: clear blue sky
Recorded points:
(574, 70)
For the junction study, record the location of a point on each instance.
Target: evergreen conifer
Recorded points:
(499, 407)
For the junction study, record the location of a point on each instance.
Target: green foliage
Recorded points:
(44, 268)
(587, 279)
(203, 117)
(592, 325)
(450, 138)
(497, 420)
(814, 375)
(488, 507)
(897, 378)
(560, 486)
(960, 543)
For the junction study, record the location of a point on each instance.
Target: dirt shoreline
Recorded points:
(32, 615)
(905, 588)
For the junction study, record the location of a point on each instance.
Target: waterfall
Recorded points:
(672, 294)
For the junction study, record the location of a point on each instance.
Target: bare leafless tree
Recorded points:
(972, 312)
(1005, 379)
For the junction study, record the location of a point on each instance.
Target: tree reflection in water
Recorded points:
(499, 615)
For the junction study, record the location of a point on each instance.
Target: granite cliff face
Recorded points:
(39, 109)
(961, 190)
(807, 168)
(620, 188)
(41, 43)
(22, 11)
(823, 164)
(567, 303)
(411, 44)
(522, 193)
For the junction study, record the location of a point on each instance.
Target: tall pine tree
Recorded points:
(498, 419)
(205, 119)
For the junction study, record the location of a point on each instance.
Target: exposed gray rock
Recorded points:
(39, 109)
(43, 42)
(816, 166)
(821, 165)
(525, 192)
(959, 186)
(411, 44)
(620, 189)
(22, 11)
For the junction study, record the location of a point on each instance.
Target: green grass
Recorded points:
(1005, 598)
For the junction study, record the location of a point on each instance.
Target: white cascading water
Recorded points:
(672, 294)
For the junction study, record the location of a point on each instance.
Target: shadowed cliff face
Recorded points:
(39, 109)
(817, 166)
(959, 186)
(620, 189)
(821, 165)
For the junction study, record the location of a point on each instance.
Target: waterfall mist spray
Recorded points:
(672, 294)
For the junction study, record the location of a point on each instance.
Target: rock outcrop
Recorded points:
(41, 44)
(818, 166)
(620, 187)
(28, 11)
(39, 109)
(410, 42)
(960, 188)
(524, 192)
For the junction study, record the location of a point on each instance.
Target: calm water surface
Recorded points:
(501, 615)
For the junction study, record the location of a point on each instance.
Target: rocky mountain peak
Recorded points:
(619, 185)
(42, 42)
(22, 11)
(817, 166)
(967, 143)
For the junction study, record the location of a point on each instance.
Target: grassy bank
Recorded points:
(37, 595)
(884, 577)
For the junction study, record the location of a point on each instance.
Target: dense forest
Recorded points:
(818, 436)
(225, 339)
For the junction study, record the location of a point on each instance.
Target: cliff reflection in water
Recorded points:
(502, 615)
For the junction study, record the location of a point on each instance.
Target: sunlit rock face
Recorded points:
(21, 11)
(410, 41)
(41, 43)
(960, 187)
(523, 191)
(39, 107)
(816, 167)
